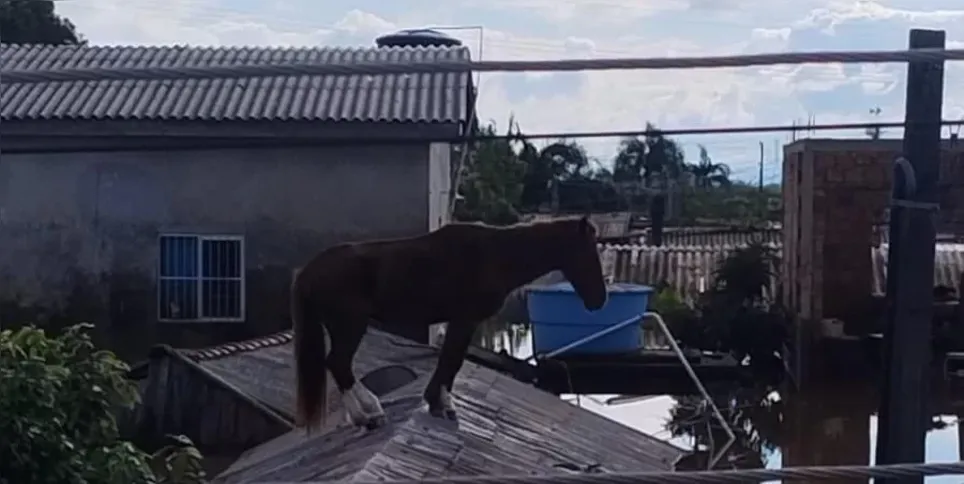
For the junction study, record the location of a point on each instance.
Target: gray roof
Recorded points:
(506, 427)
(435, 98)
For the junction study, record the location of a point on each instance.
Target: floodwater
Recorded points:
(833, 426)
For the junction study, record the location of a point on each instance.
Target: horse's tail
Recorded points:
(310, 370)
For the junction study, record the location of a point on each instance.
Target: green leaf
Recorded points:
(58, 396)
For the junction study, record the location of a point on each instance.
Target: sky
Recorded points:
(601, 100)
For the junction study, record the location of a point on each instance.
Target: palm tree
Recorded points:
(707, 174)
(629, 164)
(646, 158)
(664, 156)
(568, 159)
(643, 165)
(557, 162)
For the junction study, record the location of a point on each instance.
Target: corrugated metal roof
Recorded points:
(722, 236)
(948, 267)
(505, 425)
(690, 269)
(386, 98)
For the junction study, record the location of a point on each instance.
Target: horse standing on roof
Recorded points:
(460, 274)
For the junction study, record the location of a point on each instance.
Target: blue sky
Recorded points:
(598, 101)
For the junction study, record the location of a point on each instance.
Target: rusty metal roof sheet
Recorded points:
(385, 98)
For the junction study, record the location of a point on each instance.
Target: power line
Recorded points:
(467, 66)
(398, 140)
(710, 131)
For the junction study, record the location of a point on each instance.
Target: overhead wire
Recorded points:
(466, 66)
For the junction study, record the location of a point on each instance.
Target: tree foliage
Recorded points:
(492, 180)
(35, 22)
(512, 175)
(59, 397)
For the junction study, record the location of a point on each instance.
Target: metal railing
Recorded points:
(731, 437)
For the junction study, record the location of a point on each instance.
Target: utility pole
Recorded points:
(762, 202)
(904, 411)
(874, 131)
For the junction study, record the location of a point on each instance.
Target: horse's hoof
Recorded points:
(437, 412)
(443, 413)
(376, 422)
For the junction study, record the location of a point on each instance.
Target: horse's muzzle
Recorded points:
(595, 304)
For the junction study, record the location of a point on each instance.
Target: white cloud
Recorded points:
(586, 11)
(838, 12)
(359, 22)
(781, 34)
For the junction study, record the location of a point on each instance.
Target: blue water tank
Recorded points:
(417, 38)
(559, 318)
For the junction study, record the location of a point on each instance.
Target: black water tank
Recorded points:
(417, 38)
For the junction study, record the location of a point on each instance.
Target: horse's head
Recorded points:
(580, 264)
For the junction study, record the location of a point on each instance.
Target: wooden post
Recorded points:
(657, 217)
(910, 276)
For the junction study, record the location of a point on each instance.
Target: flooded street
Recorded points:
(830, 426)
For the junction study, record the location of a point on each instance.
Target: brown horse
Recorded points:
(460, 274)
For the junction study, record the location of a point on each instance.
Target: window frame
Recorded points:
(199, 240)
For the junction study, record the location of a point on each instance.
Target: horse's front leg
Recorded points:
(458, 338)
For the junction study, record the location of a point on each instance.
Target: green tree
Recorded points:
(733, 203)
(629, 164)
(648, 157)
(35, 22)
(554, 164)
(492, 181)
(59, 397)
(707, 173)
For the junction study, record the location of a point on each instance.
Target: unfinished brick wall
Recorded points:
(834, 191)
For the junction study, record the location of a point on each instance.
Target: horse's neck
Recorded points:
(528, 255)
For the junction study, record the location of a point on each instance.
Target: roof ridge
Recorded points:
(236, 48)
(235, 347)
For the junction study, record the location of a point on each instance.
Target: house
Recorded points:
(174, 210)
(835, 192)
(236, 402)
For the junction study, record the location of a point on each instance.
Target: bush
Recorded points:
(58, 398)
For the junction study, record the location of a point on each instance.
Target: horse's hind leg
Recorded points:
(361, 405)
(458, 338)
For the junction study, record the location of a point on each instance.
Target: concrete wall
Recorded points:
(79, 230)
(834, 192)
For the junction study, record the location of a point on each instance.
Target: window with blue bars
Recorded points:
(201, 278)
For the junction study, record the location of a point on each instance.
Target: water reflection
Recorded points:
(497, 336)
(833, 425)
